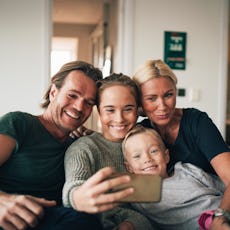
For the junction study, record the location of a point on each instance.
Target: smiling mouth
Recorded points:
(166, 116)
(150, 168)
(118, 127)
(73, 115)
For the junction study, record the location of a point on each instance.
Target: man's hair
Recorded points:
(59, 78)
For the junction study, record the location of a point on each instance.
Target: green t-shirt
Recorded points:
(36, 166)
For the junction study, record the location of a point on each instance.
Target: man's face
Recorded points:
(72, 104)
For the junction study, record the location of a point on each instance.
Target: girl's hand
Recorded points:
(93, 196)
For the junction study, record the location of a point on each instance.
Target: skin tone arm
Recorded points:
(81, 131)
(92, 196)
(18, 211)
(221, 165)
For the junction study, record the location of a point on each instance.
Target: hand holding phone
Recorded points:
(147, 187)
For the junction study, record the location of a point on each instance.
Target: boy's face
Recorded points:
(144, 155)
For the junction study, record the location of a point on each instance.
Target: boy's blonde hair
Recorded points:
(138, 129)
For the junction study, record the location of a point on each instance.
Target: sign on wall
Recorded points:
(175, 49)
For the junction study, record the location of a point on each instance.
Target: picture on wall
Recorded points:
(175, 49)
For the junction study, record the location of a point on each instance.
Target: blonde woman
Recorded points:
(189, 134)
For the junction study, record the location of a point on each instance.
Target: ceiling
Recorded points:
(77, 11)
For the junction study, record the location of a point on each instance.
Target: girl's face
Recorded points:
(159, 100)
(118, 112)
(144, 155)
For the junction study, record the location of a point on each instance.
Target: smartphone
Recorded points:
(147, 187)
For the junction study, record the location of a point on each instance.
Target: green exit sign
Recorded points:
(175, 49)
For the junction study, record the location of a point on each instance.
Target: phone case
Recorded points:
(147, 188)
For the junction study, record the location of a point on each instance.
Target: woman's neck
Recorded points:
(169, 132)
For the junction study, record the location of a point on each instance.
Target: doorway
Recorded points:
(78, 35)
(228, 90)
(63, 50)
(77, 19)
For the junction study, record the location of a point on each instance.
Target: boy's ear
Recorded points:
(167, 157)
(129, 169)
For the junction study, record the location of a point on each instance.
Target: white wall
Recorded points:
(25, 54)
(206, 24)
(25, 46)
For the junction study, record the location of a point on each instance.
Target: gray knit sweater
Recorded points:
(84, 158)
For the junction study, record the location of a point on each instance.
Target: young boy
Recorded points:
(186, 193)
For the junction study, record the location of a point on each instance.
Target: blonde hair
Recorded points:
(154, 69)
(138, 129)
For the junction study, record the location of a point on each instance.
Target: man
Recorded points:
(32, 152)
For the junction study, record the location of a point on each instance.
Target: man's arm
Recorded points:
(21, 211)
(18, 211)
(7, 144)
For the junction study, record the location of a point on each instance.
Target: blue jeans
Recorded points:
(61, 218)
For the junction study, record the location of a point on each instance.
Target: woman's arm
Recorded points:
(221, 164)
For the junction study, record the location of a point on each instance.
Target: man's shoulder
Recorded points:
(17, 119)
(17, 115)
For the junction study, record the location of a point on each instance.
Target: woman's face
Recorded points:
(159, 100)
(117, 111)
